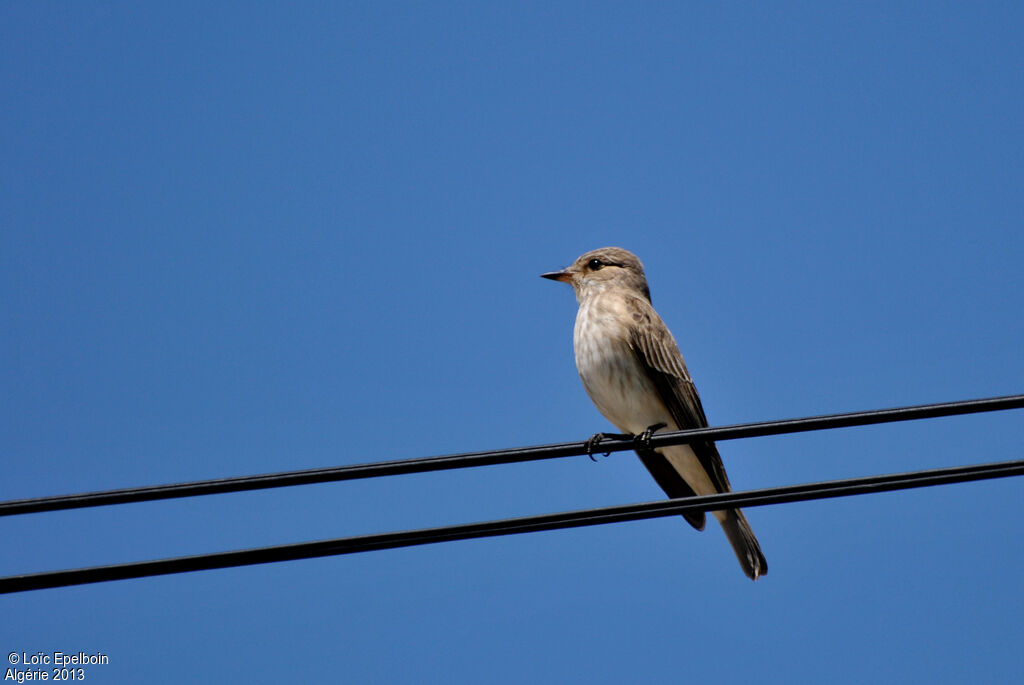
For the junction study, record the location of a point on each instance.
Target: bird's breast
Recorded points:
(612, 376)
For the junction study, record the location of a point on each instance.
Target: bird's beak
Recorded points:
(563, 276)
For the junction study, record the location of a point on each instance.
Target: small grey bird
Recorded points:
(634, 373)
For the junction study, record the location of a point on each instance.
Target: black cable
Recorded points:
(504, 456)
(525, 524)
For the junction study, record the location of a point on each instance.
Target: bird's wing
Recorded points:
(658, 354)
(671, 481)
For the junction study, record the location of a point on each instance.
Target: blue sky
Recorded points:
(244, 237)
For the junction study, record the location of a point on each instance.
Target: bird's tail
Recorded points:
(743, 542)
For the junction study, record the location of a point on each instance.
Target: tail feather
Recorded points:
(743, 542)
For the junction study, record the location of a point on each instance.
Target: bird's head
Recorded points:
(607, 267)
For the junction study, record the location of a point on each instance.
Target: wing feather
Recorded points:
(658, 354)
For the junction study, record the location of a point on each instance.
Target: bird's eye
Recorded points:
(595, 264)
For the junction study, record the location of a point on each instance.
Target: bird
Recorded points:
(635, 375)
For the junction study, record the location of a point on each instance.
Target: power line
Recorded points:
(525, 524)
(504, 456)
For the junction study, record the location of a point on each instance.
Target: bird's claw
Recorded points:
(594, 440)
(644, 439)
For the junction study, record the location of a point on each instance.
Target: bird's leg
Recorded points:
(594, 440)
(644, 439)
